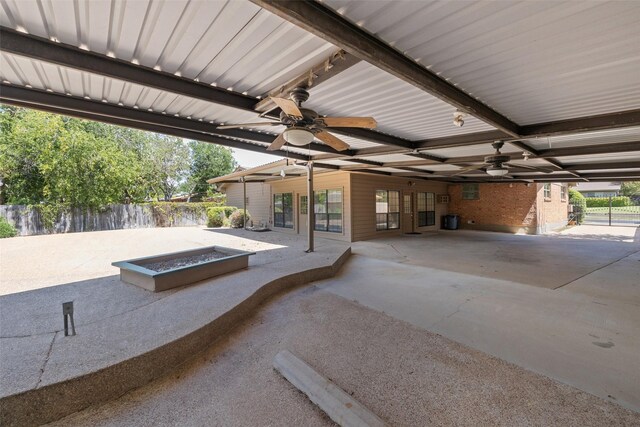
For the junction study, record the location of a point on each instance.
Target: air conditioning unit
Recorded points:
(443, 198)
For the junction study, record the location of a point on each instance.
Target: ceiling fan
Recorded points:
(303, 124)
(497, 164)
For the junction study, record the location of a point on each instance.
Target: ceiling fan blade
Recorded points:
(247, 125)
(469, 168)
(350, 122)
(288, 106)
(277, 143)
(332, 141)
(535, 168)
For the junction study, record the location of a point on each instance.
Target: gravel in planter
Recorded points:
(184, 261)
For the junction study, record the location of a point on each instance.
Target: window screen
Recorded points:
(426, 209)
(328, 210)
(470, 192)
(283, 210)
(387, 209)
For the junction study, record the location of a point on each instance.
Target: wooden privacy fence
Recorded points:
(41, 219)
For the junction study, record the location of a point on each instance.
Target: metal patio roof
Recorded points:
(556, 80)
(269, 172)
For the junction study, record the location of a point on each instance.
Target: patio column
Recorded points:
(244, 202)
(311, 217)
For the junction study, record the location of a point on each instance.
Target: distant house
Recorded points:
(353, 206)
(598, 189)
(258, 198)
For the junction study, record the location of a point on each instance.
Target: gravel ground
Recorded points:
(406, 375)
(184, 261)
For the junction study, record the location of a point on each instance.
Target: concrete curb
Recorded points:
(335, 402)
(55, 401)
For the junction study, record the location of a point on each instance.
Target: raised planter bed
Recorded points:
(161, 272)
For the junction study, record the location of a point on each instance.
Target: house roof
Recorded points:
(598, 186)
(553, 79)
(269, 172)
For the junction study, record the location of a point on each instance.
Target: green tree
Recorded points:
(48, 158)
(51, 158)
(630, 189)
(22, 179)
(207, 161)
(166, 161)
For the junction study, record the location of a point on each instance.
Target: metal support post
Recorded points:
(311, 217)
(244, 201)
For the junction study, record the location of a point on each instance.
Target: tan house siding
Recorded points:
(363, 202)
(258, 200)
(322, 181)
(552, 213)
(500, 207)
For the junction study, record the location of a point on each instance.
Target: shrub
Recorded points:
(6, 229)
(237, 218)
(579, 203)
(603, 202)
(215, 219)
(217, 214)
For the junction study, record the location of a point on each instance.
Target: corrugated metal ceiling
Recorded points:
(609, 157)
(400, 108)
(533, 61)
(470, 150)
(46, 76)
(42, 75)
(232, 44)
(612, 136)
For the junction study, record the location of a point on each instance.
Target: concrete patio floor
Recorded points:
(388, 328)
(35, 262)
(565, 305)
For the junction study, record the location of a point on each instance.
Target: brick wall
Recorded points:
(552, 213)
(500, 207)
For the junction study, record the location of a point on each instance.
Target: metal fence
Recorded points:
(612, 215)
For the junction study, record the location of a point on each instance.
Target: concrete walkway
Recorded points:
(584, 334)
(128, 336)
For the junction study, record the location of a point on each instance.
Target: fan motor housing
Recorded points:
(299, 95)
(498, 158)
(308, 118)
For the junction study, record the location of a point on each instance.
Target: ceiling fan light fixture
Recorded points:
(298, 136)
(497, 170)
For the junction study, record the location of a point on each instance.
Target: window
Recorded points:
(387, 210)
(563, 193)
(470, 192)
(407, 203)
(426, 209)
(328, 210)
(283, 210)
(547, 191)
(303, 205)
